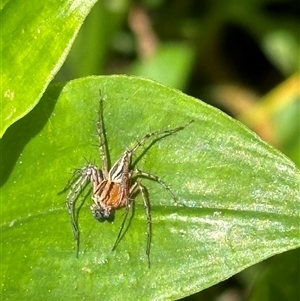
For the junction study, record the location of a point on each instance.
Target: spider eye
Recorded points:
(102, 215)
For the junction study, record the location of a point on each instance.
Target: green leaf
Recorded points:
(36, 37)
(170, 65)
(241, 196)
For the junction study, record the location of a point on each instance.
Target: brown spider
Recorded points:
(113, 188)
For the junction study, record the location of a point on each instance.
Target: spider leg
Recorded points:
(72, 198)
(128, 206)
(158, 133)
(87, 173)
(102, 138)
(121, 232)
(157, 179)
(71, 181)
(146, 201)
(149, 219)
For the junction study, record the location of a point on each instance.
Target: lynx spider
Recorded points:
(113, 188)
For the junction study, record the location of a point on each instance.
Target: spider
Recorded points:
(113, 188)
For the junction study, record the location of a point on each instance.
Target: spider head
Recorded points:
(102, 214)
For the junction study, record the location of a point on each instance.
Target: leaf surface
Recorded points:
(241, 196)
(36, 37)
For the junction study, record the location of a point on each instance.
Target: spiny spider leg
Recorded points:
(158, 133)
(101, 135)
(74, 222)
(149, 219)
(71, 200)
(120, 234)
(88, 173)
(157, 179)
(146, 201)
(123, 165)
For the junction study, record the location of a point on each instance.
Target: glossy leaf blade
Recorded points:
(241, 196)
(36, 37)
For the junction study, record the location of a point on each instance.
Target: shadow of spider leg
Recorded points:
(76, 185)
